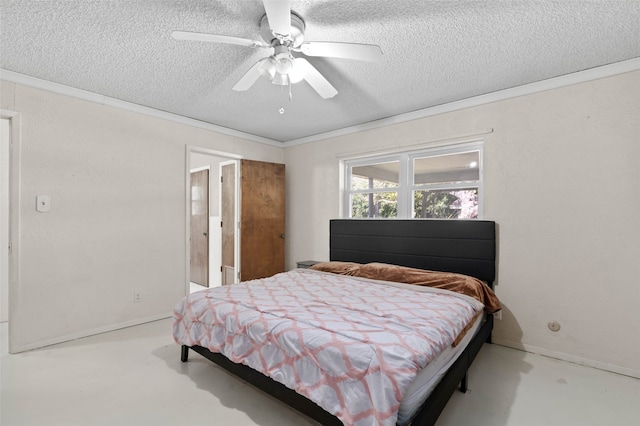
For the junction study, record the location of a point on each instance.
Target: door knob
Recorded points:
(204, 233)
(282, 236)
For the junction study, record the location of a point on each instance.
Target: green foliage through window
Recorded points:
(378, 204)
(459, 204)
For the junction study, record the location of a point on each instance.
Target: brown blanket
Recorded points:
(458, 283)
(342, 268)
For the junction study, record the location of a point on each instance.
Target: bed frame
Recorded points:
(463, 246)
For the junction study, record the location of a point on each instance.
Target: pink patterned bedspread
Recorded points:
(351, 345)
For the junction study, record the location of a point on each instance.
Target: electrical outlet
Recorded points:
(137, 297)
(554, 325)
(497, 315)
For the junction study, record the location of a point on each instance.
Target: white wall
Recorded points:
(117, 222)
(562, 181)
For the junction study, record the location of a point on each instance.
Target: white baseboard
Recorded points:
(515, 345)
(14, 349)
(569, 358)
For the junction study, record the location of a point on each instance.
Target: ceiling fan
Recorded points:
(283, 33)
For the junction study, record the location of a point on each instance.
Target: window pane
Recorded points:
(374, 204)
(375, 176)
(463, 167)
(447, 204)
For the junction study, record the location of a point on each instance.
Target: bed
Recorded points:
(461, 246)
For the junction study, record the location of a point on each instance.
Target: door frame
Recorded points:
(13, 163)
(194, 149)
(236, 210)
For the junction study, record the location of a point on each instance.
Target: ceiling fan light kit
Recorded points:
(267, 67)
(283, 33)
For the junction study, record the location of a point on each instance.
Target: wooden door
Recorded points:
(199, 239)
(228, 221)
(262, 219)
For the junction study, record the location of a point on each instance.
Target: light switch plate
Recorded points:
(43, 203)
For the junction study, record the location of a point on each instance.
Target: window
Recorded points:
(435, 183)
(374, 189)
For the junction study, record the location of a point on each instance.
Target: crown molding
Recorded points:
(527, 89)
(61, 89)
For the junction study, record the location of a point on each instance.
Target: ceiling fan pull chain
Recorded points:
(290, 95)
(281, 110)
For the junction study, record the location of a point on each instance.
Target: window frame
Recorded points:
(350, 164)
(406, 184)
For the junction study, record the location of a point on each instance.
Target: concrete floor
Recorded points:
(134, 377)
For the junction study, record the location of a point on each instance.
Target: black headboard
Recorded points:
(463, 246)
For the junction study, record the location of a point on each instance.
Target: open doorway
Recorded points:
(243, 222)
(209, 237)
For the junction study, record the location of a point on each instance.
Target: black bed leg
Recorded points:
(463, 384)
(490, 321)
(184, 353)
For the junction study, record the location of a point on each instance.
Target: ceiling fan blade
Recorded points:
(315, 79)
(217, 38)
(279, 16)
(360, 52)
(249, 78)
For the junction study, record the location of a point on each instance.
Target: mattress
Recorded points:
(352, 345)
(428, 378)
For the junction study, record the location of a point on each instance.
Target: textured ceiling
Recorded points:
(435, 52)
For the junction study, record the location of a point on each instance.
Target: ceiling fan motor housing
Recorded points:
(295, 38)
